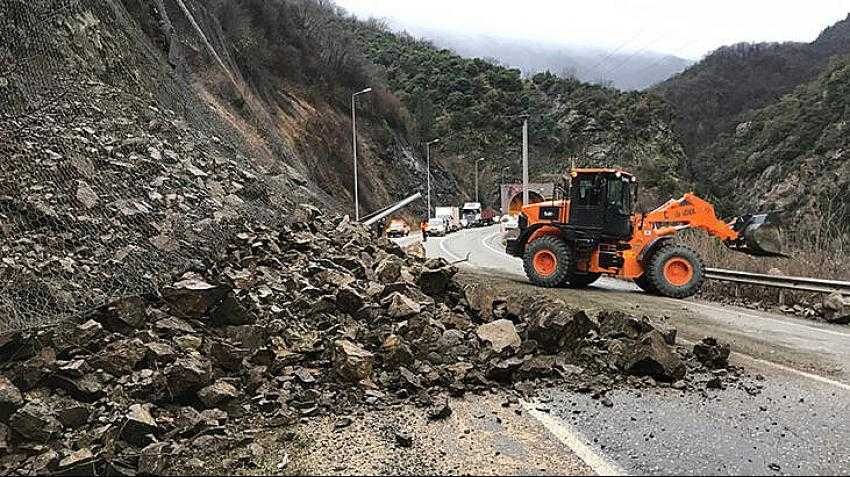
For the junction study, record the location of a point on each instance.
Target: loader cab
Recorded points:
(602, 201)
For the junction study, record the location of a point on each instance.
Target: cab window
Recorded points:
(620, 194)
(588, 192)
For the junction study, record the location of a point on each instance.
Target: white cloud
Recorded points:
(683, 27)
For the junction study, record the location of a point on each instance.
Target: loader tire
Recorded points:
(547, 261)
(645, 284)
(676, 271)
(581, 280)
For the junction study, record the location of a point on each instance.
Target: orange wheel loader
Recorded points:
(594, 231)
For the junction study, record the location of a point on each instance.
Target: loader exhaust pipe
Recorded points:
(758, 236)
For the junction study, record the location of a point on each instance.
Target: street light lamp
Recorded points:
(476, 180)
(428, 170)
(354, 147)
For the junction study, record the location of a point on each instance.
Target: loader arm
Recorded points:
(689, 212)
(750, 234)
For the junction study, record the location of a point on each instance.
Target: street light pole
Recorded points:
(525, 160)
(354, 147)
(428, 171)
(476, 180)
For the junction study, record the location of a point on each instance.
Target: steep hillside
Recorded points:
(793, 156)
(137, 135)
(474, 106)
(710, 94)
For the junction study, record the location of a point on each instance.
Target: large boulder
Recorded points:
(230, 312)
(35, 421)
(436, 281)
(10, 398)
(835, 309)
(123, 315)
(556, 329)
(616, 324)
(120, 357)
(415, 250)
(499, 335)
(648, 356)
(352, 362)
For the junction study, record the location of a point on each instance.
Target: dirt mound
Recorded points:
(314, 317)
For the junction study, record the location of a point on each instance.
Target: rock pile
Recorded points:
(314, 317)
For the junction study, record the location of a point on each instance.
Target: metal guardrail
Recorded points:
(815, 285)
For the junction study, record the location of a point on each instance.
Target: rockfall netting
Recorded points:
(114, 174)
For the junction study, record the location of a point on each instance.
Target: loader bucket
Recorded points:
(759, 236)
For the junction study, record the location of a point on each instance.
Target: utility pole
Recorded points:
(502, 188)
(476, 180)
(525, 160)
(354, 147)
(428, 170)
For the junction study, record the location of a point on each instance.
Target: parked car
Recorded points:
(437, 226)
(398, 228)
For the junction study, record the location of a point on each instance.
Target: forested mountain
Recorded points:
(709, 95)
(475, 105)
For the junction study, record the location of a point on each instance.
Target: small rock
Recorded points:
(153, 459)
(193, 297)
(218, 393)
(76, 458)
(402, 307)
(440, 411)
(403, 439)
(352, 362)
(712, 354)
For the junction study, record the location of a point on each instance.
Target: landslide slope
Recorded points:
(473, 105)
(137, 135)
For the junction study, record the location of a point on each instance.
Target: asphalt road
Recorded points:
(797, 425)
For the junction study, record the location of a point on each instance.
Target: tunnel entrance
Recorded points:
(515, 205)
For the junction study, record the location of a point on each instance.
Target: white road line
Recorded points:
(576, 442)
(751, 315)
(446, 250)
(813, 377)
(495, 250)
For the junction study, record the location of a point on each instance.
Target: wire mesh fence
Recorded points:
(115, 174)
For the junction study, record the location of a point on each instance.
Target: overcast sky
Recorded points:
(686, 28)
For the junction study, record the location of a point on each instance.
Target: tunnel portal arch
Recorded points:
(515, 204)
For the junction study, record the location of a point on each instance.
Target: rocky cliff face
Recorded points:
(134, 138)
